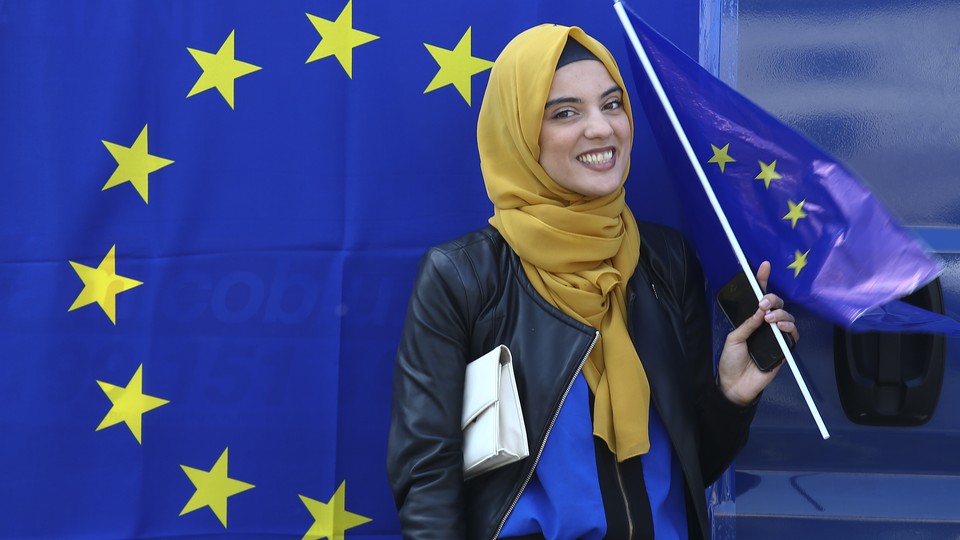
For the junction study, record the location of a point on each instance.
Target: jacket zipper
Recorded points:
(546, 436)
(626, 501)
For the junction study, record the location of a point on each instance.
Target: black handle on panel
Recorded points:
(892, 379)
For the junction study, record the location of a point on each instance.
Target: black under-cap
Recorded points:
(573, 51)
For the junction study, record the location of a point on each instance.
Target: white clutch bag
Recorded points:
(493, 430)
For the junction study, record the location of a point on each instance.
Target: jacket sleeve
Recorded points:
(424, 455)
(723, 425)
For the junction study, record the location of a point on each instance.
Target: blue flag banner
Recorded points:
(212, 216)
(834, 248)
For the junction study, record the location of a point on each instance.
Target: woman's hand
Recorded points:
(739, 378)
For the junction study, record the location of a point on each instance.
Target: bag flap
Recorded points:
(482, 383)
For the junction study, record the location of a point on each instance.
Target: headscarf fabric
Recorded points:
(578, 252)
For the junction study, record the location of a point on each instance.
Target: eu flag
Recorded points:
(212, 215)
(834, 248)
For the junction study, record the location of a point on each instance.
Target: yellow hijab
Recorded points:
(578, 253)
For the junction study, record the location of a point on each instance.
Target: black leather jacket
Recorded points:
(471, 294)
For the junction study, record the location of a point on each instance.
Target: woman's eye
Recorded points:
(613, 104)
(563, 113)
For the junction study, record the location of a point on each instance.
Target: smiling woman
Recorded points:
(585, 137)
(605, 318)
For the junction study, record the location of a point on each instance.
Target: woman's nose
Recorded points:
(598, 126)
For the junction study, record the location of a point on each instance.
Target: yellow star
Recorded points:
(800, 260)
(129, 404)
(720, 156)
(213, 488)
(796, 213)
(457, 66)
(134, 164)
(220, 70)
(768, 173)
(331, 518)
(338, 38)
(102, 285)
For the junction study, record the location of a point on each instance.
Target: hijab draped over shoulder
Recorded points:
(578, 252)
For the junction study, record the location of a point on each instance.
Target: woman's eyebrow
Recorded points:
(553, 102)
(612, 90)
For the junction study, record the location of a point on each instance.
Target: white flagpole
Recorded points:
(734, 243)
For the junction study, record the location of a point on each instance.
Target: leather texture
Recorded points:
(470, 295)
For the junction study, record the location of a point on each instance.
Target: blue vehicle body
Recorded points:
(878, 85)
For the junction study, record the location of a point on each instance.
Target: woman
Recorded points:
(606, 319)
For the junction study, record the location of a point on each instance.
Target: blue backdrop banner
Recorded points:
(212, 215)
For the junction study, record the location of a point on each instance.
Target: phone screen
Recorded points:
(738, 303)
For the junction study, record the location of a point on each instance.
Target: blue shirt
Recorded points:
(563, 501)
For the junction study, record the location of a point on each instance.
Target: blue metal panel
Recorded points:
(876, 83)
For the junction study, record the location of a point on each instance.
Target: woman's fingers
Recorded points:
(775, 314)
(769, 311)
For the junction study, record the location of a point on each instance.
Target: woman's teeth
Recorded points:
(596, 158)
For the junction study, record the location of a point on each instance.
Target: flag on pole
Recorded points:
(834, 248)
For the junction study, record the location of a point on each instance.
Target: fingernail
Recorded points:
(764, 304)
(768, 316)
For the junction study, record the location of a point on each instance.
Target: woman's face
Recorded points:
(585, 137)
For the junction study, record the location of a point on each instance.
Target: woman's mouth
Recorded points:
(601, 159)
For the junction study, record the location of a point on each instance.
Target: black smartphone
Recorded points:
(738, 303)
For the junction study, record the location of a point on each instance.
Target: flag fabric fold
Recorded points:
(833, 246)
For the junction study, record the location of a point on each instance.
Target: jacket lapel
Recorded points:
(656, 341)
